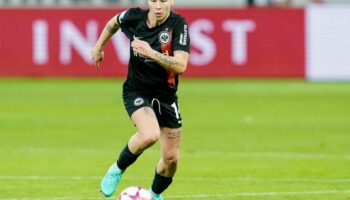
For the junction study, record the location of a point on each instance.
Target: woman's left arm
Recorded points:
(176, 63)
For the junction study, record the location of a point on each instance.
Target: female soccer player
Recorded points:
(159, 53)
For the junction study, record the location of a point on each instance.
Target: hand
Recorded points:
(97, 55)
(141, 47)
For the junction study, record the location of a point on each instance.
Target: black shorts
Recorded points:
(166, 110)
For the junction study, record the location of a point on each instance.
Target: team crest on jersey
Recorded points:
(164, 37)
(138, 101)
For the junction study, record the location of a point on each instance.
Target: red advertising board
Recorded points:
(224, 42)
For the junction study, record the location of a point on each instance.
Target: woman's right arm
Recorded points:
(111, 27)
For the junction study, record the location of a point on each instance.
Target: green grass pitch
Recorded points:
(242, 139)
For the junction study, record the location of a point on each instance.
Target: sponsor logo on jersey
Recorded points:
(138, 101)
(164, 37)
(183, 36)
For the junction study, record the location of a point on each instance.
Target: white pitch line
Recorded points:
(198, 178)
(202, 196)
(252, 179)
(49, 178)
(279, 155)
(237, 154)
(54, 198)
(242, 194)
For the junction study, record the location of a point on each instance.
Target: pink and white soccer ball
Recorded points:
(135, 193)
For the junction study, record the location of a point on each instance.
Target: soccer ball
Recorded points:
(135, 193)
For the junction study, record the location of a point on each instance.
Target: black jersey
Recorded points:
(145, 75)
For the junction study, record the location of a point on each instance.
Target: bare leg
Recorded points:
(167, 165)
(148, 130)
(148, 133)
(170, 139)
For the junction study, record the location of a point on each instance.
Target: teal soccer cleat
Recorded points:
(110, 181)
(156, 196)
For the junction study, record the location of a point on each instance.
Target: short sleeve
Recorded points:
(129, 19)
(181, 36)
(121, 17)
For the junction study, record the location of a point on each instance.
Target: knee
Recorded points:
(171, 160)
(148, 141)
(149, 138)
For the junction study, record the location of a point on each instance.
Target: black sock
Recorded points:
(126, 158)
(160, 183)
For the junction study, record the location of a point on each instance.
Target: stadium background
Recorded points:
(265, 100)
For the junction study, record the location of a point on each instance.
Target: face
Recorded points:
(160, 9)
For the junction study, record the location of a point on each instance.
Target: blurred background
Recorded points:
(265, 100)
(179, 3)
(230, 38)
